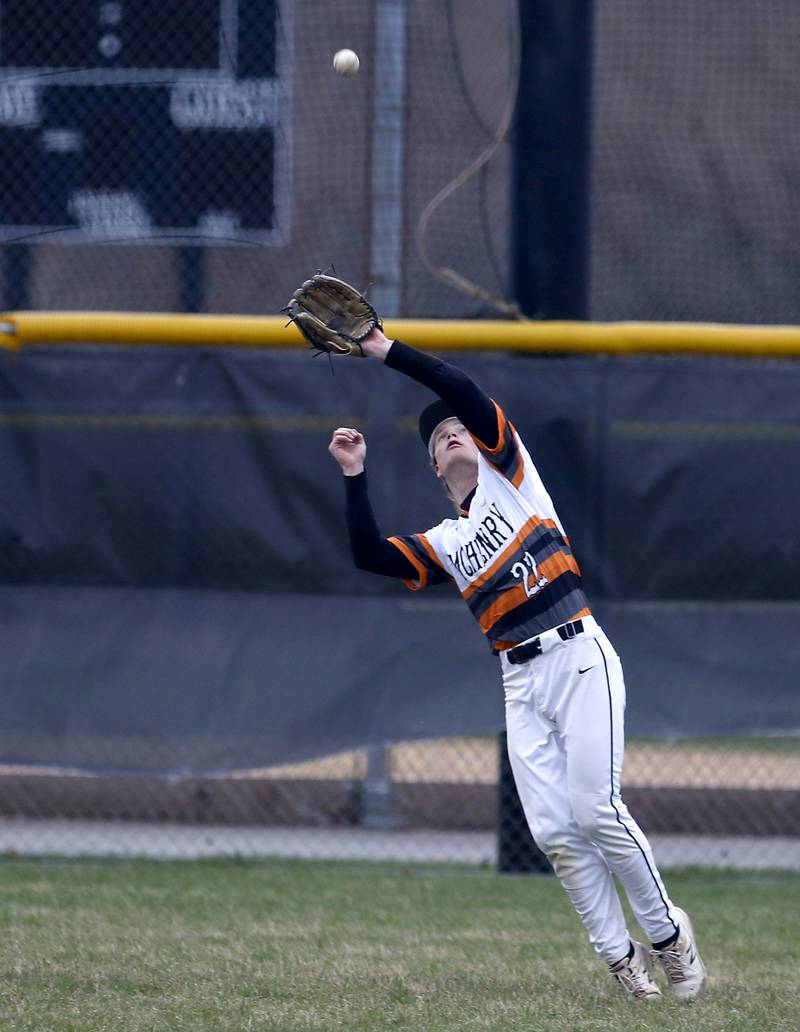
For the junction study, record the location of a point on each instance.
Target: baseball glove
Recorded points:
(333, 316)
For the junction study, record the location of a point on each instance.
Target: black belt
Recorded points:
(531, 649)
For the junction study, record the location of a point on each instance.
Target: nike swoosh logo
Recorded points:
(587, 668)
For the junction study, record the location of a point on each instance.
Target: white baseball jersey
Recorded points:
(507, 552)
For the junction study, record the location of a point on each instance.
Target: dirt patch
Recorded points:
(474, 761)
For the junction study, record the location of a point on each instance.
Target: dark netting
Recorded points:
(176, 580)
(171, 531)
(205, 157)
(219, 142)
(696, 146)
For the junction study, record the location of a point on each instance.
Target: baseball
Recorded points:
(345, 62)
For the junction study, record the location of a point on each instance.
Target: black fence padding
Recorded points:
(177, 591)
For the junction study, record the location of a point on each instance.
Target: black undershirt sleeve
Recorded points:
(371, 551)
(474, 408)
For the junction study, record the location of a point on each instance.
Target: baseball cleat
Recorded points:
(635, 974)
(685, 971)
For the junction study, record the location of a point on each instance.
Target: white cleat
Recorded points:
(685, 971)
(635, 974)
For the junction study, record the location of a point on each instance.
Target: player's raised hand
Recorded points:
(349, 449)
(376, 344)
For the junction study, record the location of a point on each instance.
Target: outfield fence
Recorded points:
(171, 535)
(722, 803)
(174, 674)
(208, 162)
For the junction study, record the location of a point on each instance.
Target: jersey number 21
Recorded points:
(527, 572)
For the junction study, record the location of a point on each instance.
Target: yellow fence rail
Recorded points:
(18, 329)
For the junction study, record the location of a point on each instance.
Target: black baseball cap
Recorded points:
(431, 417)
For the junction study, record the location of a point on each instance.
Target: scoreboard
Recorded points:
(141, 119)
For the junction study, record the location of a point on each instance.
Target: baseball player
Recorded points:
(508, 554)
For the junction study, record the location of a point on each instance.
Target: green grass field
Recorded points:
(224, 945)
(776, 744)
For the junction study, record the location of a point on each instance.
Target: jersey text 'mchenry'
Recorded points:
(475, 554)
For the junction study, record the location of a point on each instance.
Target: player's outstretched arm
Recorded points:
(371, 551)
(337, 319)
(475, 409)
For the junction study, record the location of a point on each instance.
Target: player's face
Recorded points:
(452, 445)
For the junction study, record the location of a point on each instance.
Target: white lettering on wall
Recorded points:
(230, 105)
(19, 104)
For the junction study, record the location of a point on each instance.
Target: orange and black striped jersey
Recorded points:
(507, 552)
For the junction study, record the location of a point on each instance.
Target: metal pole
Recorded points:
(386, 255)
(552, 159)
(550, 241)
(377, 791)
(191, 278)
(517, 853)
(17, 276)
(388, 146)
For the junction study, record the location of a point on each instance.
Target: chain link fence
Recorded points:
(730, 803)
(204, 157)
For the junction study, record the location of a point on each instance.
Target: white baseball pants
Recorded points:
(564, 721)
